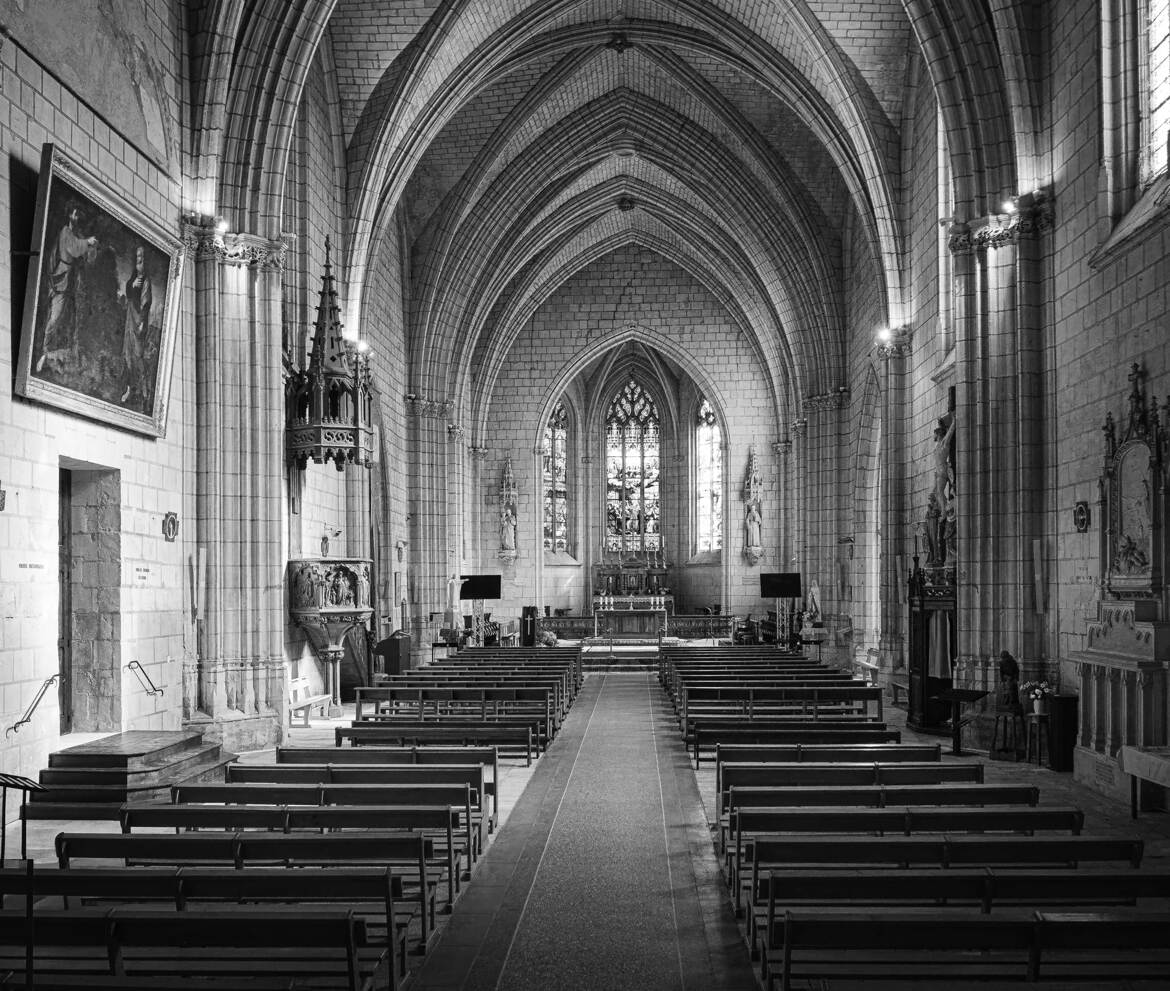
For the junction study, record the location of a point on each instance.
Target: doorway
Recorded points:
(89, 646)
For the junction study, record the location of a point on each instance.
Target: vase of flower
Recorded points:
(1038, 693)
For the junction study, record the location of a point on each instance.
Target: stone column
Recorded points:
(823, 467)
(782, 451)
(1001, 462)
(591, 540)
(240, 463)
(798, 486)
(895, 550)
(430, 529)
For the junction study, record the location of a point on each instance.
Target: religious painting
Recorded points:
(1133, 551)
(100, 305)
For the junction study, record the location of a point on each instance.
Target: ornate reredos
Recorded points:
(1133, 498)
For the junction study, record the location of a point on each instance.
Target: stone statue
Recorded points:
(753, 526)
(932, 532)
(950, 538)
(943, 463)
(507, 529)
(363, 582)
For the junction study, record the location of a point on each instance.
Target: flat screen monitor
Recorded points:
(780, 585)
(480, 587)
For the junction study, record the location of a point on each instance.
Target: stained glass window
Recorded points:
(708, 481)
(556, 480)
(633, 512)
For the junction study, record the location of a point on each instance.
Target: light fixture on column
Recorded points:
(328, 406)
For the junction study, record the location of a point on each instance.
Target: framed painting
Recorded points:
(101, 304)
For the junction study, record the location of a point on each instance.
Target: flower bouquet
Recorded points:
(1037, 693)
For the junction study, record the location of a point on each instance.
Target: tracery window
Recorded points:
(1154, 87)
(633, 511)
(708, 480)
(556, 480)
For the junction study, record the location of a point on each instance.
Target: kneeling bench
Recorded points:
(301, 700)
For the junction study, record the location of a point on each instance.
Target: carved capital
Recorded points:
(206, 242)
(899, 344)
(479, 453)
(782, 448)
(799, 428)
(1032, 216)
(827, 400)
(454, 432)
(422, 406)
(959, 238)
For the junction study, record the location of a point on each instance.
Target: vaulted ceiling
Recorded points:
(523, 141)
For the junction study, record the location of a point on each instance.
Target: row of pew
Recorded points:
(863, 862)
(326, 869)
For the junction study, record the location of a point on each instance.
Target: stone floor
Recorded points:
(604, 873)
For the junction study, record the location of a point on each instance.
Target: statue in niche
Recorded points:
(363, 582)
(508, 493)
(340, 592)
(932, 534)
(753, 549)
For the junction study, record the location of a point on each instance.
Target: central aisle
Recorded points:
(604, 875)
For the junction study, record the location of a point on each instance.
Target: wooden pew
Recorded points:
(518, 735)
(372, 893)
(440, 822)
(188, 949)
(385, 774)
(489, 757)
(463, 700)
(747, 823)
(812, 754)
(405, 852)
(707, 733)
(768, 851)
(1053, 945)
(761, 699)
(959, 890)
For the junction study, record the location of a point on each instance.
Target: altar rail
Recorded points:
(683, 627)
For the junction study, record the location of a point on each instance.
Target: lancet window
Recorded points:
(633, 510)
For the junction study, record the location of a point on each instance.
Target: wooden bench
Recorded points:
(822, 754)
(767, 851)
(520, 736)
(443, 823)
(404, 852)
(373, 894)
(301, 700)
(383, 774)
(707, 733)
(899, 948)
(489, 757)
(180, 950)
(960, 890)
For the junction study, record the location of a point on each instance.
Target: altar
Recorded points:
(630, 621)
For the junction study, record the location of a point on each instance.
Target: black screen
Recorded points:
(480, 587)
(780, 585)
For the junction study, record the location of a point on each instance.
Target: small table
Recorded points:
(958, 697)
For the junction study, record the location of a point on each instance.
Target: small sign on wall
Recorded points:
(141, 577)
(29, 568)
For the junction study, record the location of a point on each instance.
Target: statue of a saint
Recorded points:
(507, 529)
(932, 531)
(752, 524)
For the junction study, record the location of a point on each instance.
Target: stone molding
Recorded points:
(782, 448)
(799, 428)
(206, 243)
(422, 406)
(455, 432)
(827, 400)
(479, 453)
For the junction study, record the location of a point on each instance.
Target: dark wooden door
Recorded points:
(65, 599)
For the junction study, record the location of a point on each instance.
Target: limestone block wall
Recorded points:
(132, 147)
(630, 288)
(1104, 318)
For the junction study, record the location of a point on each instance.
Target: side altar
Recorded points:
(1121, 674)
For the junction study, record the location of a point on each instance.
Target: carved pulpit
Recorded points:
(328, 597)
(1122, 671)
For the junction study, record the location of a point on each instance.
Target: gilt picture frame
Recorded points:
(101, 303)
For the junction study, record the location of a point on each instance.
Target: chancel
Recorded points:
(623, 495)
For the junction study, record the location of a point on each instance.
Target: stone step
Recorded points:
(131, 750)
(104, 802)
(147, 774)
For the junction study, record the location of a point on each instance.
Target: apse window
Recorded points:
(556, 480)
(708, 481)
(1154, 88)
(633, 512)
